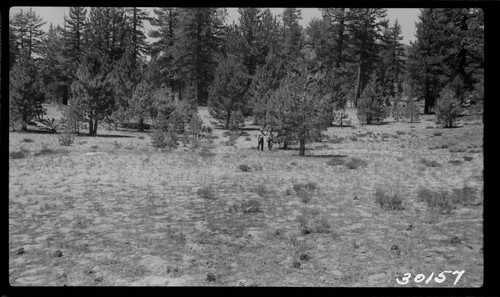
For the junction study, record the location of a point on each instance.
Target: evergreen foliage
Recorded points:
(412, 110)
(25, 94)
(448, 107)
(372, 105)
(227, 92)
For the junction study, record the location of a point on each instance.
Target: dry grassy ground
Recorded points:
(112, 210)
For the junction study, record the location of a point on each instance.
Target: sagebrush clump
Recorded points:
(447, 108)
(388, 199)
(313, 221)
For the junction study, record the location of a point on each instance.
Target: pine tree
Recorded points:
(198, 39)
(266, 81)
(52, 66)
(292, 40)
(411, 111)
(336, 20)
(27, 27)
(372, 105)
(447, 107)
(397, 108)
(93, 90)
(365, 27)
(295, 112)
(425, 61)
(136, 35)
(141, 104)
(227, 90)
(25, 95)
(72, 34)
(165, 22)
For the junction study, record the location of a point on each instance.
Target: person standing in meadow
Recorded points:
(270, 140)
(260, 138)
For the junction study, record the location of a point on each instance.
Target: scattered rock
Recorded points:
(356, 245)
(295, 264)
(246, 283)
(355, 198)
(20, 251)
(455, 240)
(98, 279)
(211, 277)
(304, 257)
(58, 254)
(410, 228)
(395, 250)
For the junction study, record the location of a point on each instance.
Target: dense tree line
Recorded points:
(264, 66)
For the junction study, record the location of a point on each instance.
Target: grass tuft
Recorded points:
(430, 163)
(206, 193)
(313, 221)
(355, 163)
(251, 206)
(244, 168)
(22, 153)
(387, 200)
(336, 161)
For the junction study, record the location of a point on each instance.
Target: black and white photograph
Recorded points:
(335, 147)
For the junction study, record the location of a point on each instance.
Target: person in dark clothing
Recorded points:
(270, 140)
(260, 137)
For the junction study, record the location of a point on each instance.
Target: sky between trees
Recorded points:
(405, 16)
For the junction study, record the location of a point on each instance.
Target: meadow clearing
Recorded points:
(362, 209)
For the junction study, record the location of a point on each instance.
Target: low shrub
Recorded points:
(353, 138)
(117, 145)
(455, 162)
(251, 206)
(464, 196)
(50, 151)
(437, 133)
(141, 137)
(206, 153)
(206, 193)
(27, 140)
(399, 132)
(312, 221)
(65, 139)
(336, 161)
(337, 140)
(388, 200)
(440, 201)
(430, 163)
(355, 163)
(468, 158)
(22, 153)
(244, 168)
(261, 190)
(459, 148)
(309, 186)
(304, 196)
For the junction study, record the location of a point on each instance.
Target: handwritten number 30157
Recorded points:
(438, 279)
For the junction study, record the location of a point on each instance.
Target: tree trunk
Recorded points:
(302, 147)
(228, 119)
(95, 128)
(91, 127)
(141, 124)
(358, 84)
